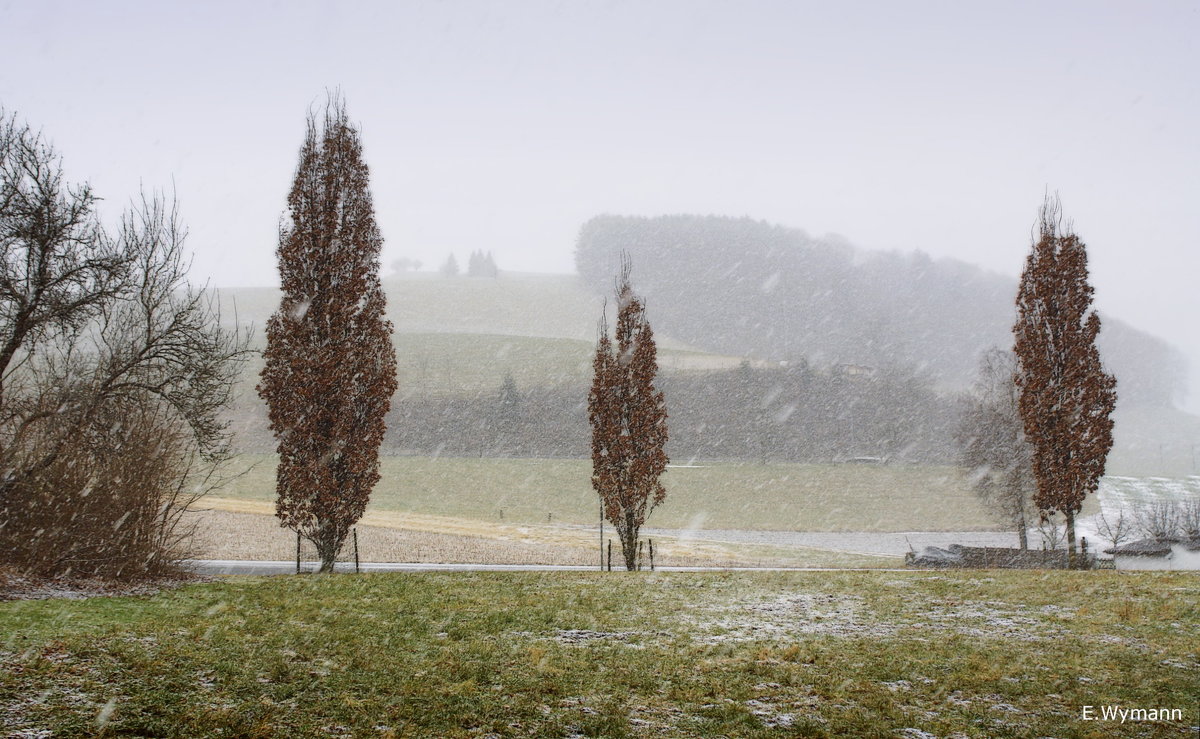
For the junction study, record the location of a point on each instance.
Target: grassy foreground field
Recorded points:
(584, 654)
(791, 497)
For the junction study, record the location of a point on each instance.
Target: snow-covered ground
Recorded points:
(1116, 492)
(1119, 494)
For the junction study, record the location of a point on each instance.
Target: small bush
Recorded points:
(109, 505)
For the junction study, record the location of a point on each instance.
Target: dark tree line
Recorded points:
(754, 414)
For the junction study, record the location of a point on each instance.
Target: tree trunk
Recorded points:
(629, 535)
(629, 552)
(327, 550)
(1023, 531)
(1070, 540)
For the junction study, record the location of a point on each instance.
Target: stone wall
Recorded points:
(958, 556)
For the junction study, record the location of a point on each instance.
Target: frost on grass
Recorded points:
(22, 587)
(578, 636)
(770, 714)
(18, 716)
(583, 637)
(994, 619)
(793, 615)
(1180, 664)
(642, 719)
(788, 616)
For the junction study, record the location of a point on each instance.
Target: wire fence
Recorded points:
(347, 559)
(233, 536)
(230, 536)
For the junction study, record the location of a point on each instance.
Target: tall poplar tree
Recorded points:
(628, 416)
(330, 369)
(1066, 397)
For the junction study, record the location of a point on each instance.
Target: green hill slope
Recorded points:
(462, 336)
(513, 304)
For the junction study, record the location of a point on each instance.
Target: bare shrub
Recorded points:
(1053, 534)
(110, 503)
(1118, 528)
(114, 375)
(1158, 520)
(1189, 518)
(992, 444)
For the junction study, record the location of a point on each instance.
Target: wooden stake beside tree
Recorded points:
(1067, 398)
(629, 421)
(330, 368)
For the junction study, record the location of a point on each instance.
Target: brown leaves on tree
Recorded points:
(1066, 397)
(629, 421)
(330, 369)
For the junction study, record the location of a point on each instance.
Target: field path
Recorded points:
(282, 567)
(687, 547)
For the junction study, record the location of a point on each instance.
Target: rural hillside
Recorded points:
(459, 338)
(745, 287)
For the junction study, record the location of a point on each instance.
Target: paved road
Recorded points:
(277, 567)
(853, 542)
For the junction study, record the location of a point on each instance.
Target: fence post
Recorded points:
(297, 552)
(602, 536)
(610, 555)
(652, 555)
(355, 530)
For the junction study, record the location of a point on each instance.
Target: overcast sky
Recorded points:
(505, 125)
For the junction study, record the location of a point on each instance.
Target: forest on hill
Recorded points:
(745, 287)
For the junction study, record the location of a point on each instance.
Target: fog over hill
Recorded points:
(459, 340)
(746, 287)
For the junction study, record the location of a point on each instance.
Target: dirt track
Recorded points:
(254, 536)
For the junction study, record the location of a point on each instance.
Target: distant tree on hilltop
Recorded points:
(481, 265)
(404, 264)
